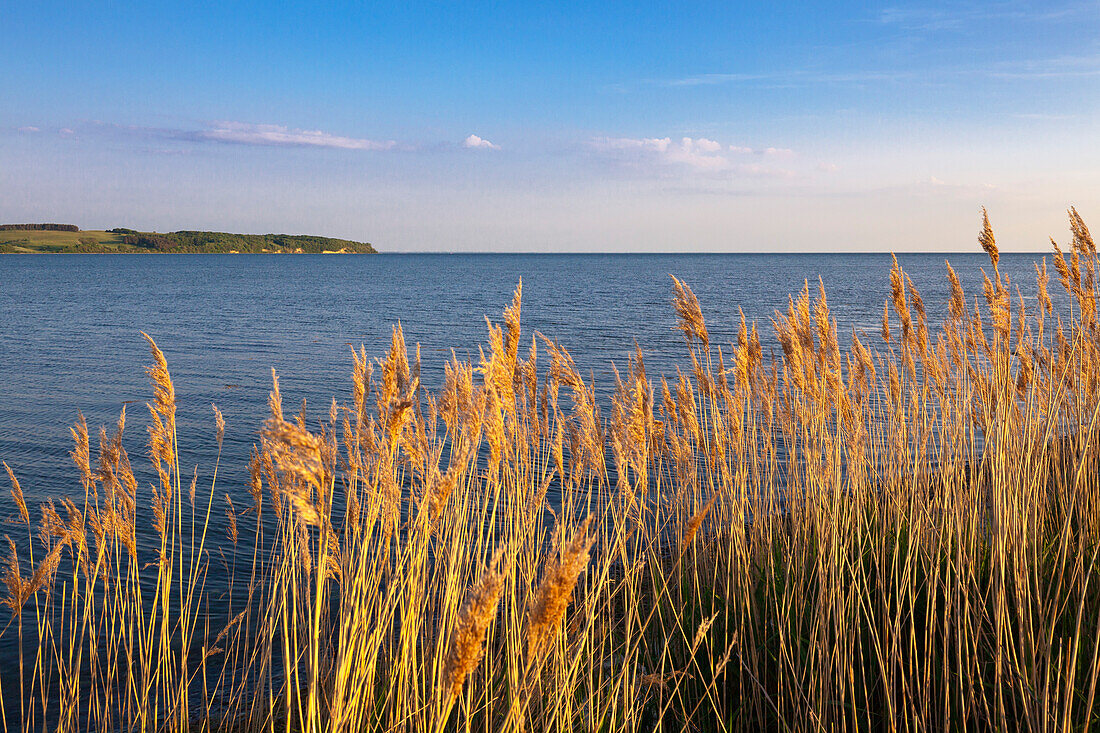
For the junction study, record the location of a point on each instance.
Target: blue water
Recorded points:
(70, 329)
(70, 336)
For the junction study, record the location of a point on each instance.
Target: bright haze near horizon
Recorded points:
(592, 126)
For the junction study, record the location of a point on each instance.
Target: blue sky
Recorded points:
(566, 126)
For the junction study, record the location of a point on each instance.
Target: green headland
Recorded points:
(67, 238)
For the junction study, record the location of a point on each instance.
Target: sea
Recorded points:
(71, 329)
(71, 334)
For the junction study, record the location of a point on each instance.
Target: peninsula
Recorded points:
(67, 238)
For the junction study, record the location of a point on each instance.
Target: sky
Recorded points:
(568, 126)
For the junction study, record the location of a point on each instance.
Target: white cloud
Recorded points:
(473, 141)
(29, 128)
(243, 133)
(66, 131)
(628, 143)
(697, 154)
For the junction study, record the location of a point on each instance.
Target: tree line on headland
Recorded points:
(40, 227)
(188, 241)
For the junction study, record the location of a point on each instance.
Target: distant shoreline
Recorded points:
(68, 239)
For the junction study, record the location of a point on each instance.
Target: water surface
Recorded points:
(70, 329)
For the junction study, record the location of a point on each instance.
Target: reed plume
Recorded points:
(17, 495)
(988, 242)
(691, 315)
(164, 393)
(219, 424)
(555, 590)
(467, 645)
(297, 454)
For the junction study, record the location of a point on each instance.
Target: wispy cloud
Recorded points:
(243, 133)
(236, 133)
(1058, 67)
(1042, 116)
(717, 78)
(960, 16)
(933, 19)
(696, 155)
(1063, 67)
(226, 132)
(1054, 67)
(473, 141)
(793, 77)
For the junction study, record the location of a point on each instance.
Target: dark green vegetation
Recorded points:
(63, 238)
(40, 227)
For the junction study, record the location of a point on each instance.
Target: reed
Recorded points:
(839, 537)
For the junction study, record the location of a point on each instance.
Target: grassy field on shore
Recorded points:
(30, 241)
(898, 535)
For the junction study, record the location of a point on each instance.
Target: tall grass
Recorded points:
(900, 535)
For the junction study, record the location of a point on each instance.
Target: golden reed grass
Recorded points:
(833, 537)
